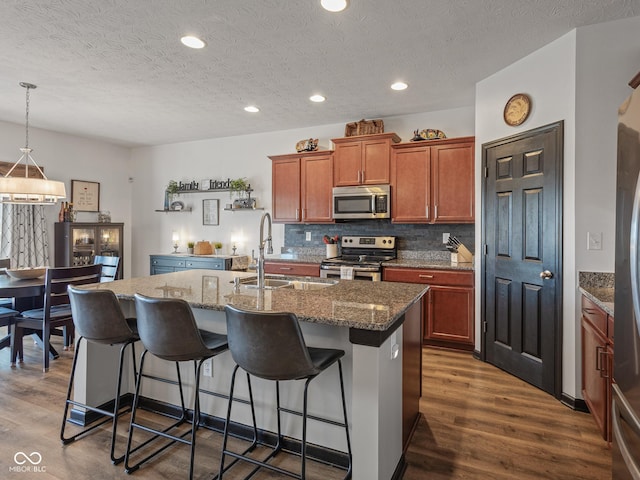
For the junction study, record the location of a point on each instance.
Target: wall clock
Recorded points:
(517, 109)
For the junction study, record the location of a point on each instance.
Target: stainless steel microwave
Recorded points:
(362, 202)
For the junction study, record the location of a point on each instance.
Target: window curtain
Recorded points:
(24, 236)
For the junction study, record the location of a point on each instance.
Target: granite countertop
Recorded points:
(599, 288)
(426, 260)
(347, 303)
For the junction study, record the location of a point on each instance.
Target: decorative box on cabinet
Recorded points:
(77, 243)
(301, 187)
(171, 263)
(293, 268)
(363, 160)
(597, 364)
(433, 181)
(448, 310)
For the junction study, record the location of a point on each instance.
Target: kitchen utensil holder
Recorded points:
(462, 256)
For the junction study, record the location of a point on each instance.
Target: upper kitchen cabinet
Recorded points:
(301, 187)
(433, 181)
(363, 160)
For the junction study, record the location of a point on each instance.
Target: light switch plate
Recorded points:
(445, 237)
(307, 236)
(594, 240)
(207, 368)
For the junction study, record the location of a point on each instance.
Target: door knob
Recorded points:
(546, 275)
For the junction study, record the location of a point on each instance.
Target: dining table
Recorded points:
(26, 294)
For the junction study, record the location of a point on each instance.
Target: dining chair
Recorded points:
(109, 267)
(5, 263)
(56, 312)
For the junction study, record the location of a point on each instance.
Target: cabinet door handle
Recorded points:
(435, 211)
(362, 176)
(304, 213)
(358, 176)
(297, 214)
(425, 276)
(427, 212)
(286, 268)
(599, 359)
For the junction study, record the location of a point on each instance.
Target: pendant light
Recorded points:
(26, 190)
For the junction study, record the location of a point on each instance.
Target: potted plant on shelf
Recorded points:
(190, 246)
(217, 248)
(169, 192)
(238, 187)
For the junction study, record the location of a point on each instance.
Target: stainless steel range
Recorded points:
(361, 258)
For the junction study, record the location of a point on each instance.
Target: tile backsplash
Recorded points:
(410, 236)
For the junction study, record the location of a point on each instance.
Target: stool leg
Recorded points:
(346, 423)
(69, 388)
(225, 435)
(116, 408)
(196, 417)
(304, 429)
(279, 444)
(134, 409)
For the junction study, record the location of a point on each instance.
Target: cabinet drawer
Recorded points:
(209, 264)
(594, 314)
(166, 262)
(428, 276)
(293, 268)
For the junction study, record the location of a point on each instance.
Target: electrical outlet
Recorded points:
(594, 240)
(207, 368)
(308, 236)
(445, 237)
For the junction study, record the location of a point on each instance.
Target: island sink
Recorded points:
(272, 282)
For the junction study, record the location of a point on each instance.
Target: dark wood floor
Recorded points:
(478, 423)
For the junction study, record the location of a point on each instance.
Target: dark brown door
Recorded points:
(522, 264)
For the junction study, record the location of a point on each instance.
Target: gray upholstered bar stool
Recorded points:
(98, 318)
(271, 346)
(168, 331)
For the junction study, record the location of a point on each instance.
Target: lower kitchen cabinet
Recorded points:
(448, 310)
(292, 268)
(597, 364)
(171, 263)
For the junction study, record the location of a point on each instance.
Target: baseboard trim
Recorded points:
(576, 404)
(400, 468)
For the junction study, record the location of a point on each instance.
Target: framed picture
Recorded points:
(210, 212)
(85, 196)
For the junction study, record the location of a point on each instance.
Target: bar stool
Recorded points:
(168, 331)
(98, 318)
(271, 346)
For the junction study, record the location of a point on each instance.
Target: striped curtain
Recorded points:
(24, 236)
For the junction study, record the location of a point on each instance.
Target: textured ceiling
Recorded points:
(116, 70)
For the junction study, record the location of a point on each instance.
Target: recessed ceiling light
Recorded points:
(192, 42)
(317, 98)
(399, 86)
(251, 109)
(334, 5)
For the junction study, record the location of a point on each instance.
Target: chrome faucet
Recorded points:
(263, 241)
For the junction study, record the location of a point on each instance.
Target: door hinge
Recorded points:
(486, 172)
(484, 327)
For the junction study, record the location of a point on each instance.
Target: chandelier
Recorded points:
(24, 189)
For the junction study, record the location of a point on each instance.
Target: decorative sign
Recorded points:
(85, 196)
(210, 212)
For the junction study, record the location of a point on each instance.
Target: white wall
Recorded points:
(233, 157)
(67, 157)
(580, 78)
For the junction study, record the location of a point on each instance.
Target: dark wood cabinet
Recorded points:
(433, 181)
(77, 243)
(363, 160)
(292, 268)
(301, 187)
(597, 364)
(448, 309)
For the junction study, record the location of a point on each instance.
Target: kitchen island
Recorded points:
(377, 324)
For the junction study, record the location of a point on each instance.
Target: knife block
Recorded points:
(462, 256)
